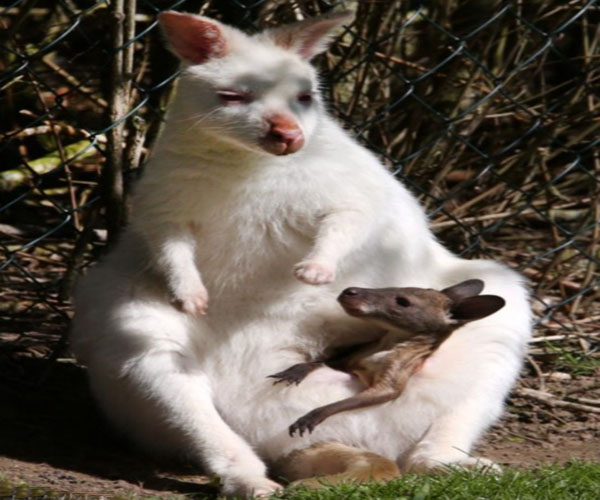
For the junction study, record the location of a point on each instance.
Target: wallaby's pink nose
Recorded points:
(289, 136)
(283, 137)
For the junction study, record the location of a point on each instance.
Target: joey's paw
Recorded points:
(286, 377)
(314, 273)
(295, 374)
(307, 423)
(194, 304)
(250, 487)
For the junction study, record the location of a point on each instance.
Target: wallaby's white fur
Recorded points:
(217, 218)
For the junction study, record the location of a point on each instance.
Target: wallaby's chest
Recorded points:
(276, 208)
(395, 365)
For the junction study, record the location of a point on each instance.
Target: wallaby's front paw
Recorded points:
(194, 304)
(314, 273)
(250, 487)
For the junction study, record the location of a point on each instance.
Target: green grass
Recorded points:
(575, 481)
(576, 363)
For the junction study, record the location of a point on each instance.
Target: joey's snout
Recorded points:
(284, 136)
(355, 301)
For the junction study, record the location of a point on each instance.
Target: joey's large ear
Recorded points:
(463, 290)
(311, 36)
(193, 38)
(477, 307)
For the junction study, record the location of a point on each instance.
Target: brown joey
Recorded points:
(417, 321)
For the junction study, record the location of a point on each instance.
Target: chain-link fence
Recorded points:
(487, 109)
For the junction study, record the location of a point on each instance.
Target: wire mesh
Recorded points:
(487, 109)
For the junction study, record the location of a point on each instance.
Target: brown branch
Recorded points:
(552, 401)
(74, 81)
(121, 73)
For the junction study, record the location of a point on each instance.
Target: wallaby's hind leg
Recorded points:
(332, 463)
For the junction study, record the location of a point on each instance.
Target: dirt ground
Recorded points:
(52, 435)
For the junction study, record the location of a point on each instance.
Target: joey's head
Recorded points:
(257, 92)
(421, 310)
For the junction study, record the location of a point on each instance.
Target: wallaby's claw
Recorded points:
(295, 374)
(300, 427)
(307, 423)
(250, 487)
(190, 299)
(282, 377)
(193, 305)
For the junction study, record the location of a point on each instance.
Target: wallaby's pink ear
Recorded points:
(192, 38)
(464, 289)
(477, 307)
(311, 36)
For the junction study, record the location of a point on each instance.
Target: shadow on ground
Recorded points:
(52, 435)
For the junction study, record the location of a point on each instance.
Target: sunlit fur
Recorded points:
(217, 217)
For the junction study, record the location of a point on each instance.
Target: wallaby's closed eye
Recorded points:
(418, 320)
(272, 113)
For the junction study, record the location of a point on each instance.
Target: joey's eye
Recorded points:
(305, 98)
(233, 97)
(402, 301)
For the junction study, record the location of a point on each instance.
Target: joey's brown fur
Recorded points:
(331, 463)
(417, 320)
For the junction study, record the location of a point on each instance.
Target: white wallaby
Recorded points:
(254, 213)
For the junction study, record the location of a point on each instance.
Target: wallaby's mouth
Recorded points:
(280, 146)
(283, 137)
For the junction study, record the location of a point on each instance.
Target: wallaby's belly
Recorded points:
(262, 412)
